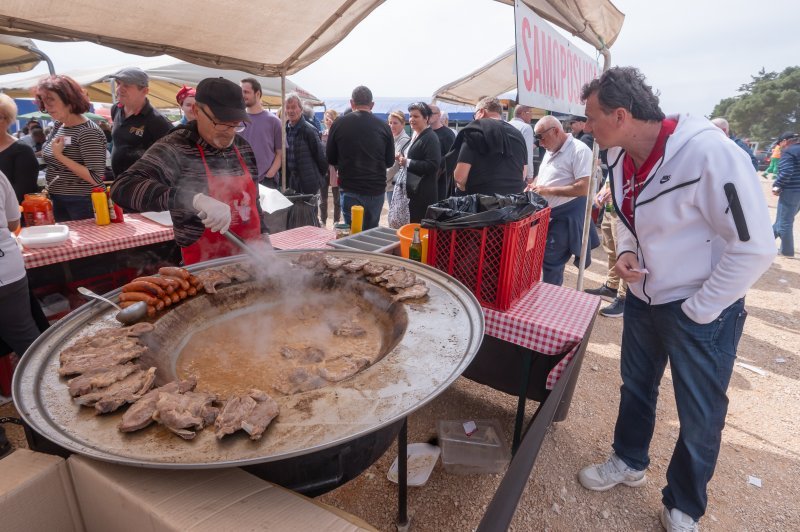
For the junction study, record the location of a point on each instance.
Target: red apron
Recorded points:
(241, 195)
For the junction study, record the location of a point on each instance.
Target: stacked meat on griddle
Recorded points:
(403, 283)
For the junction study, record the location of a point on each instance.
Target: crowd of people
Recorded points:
(687, 231)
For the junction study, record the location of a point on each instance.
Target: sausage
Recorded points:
(194, 281)
(183, 294)
(192, 291)
(165, 284)
(175, 297)
(137, 296)
(143, 286)
(182, 283)
(167, 299)
(173, 271)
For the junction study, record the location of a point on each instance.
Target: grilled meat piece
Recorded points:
(299, 379)
(303, 354)
(348, 330)
(373, 268)
(185, 413)
(128, 390)
(412, 292)
(236, 273)
(334, 263)
(139, 329)
(74, 361)
(97, 378)
(343, 367)
(375, 279)
(401, 279)
(252, 413)
(140, 414)
(211, 278)
(310, 259)
(355, 265)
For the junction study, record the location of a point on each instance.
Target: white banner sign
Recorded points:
(550, 70)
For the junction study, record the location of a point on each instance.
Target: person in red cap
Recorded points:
(185, 99)
(203, 173)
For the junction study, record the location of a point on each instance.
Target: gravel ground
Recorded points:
(760, 439)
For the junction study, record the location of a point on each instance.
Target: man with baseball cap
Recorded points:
(203, 173)
(136, 124)
(577, 125)
(787, 188)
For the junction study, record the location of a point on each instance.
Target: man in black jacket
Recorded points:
(361, 146)
(305, 157)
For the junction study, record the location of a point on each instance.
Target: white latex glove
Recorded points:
(214, 214)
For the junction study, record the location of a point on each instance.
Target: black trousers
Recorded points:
(18, 327)
(323, 204)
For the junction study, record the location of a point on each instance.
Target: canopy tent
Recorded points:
(167, 75)
(18, 54)
(597, 22)
(263, 37)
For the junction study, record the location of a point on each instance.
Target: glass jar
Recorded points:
(342, 230)
(37, 209)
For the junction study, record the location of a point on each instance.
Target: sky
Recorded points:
(693, 52)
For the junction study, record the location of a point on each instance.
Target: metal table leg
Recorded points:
(527, 362)
(403, 523)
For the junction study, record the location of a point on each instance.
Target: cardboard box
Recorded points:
(36, 494)
(119, 498)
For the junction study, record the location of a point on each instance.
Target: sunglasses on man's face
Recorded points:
(538, 136)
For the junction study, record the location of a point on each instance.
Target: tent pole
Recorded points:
(283, 130)
(587, 219)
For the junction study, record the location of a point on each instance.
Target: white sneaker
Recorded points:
(602, 477)
(676, 521)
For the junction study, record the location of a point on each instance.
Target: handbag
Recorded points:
(412, 183)
(399, 213)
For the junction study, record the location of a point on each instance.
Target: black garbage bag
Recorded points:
(479, 210)
(303, 211)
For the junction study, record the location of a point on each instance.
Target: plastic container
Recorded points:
(406, 233)
(422, 458)
(498, 263)
(114, 210)
(485, 451)
(37, 209)
(43, 236)
(100, 206)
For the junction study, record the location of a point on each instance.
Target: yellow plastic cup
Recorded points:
(356, 219)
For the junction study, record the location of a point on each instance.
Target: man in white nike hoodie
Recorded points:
(694, 235)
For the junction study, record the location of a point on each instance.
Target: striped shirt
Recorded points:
(87, 147)
(171, 172)
(789, 168)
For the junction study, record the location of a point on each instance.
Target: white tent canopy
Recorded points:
(263, 37)
(17, 54)
(598, 22)
(167, 75)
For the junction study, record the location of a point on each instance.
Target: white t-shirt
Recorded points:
(562, 168)
(527, 134)
(12, 267)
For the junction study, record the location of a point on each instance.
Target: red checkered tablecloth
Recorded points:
(307, 237)
(86, 238)
(549, 319)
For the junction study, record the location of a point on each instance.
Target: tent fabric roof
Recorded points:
(262, 37)
(492, 79)
(16, 54)
(598, 22)
(167, 75)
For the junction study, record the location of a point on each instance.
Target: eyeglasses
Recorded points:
(538, 136)
(238, 128)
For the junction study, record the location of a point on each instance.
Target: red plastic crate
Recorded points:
(499, 263)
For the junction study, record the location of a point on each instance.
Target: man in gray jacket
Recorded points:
(694, 235)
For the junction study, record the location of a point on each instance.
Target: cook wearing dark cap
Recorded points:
(203, 173)
(136, 124)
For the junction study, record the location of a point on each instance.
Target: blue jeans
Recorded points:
(372, 207)
(788, 207)
(701, 358)
(67, 207)
(389, 194)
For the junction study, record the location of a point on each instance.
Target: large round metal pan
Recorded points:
(442, 336)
